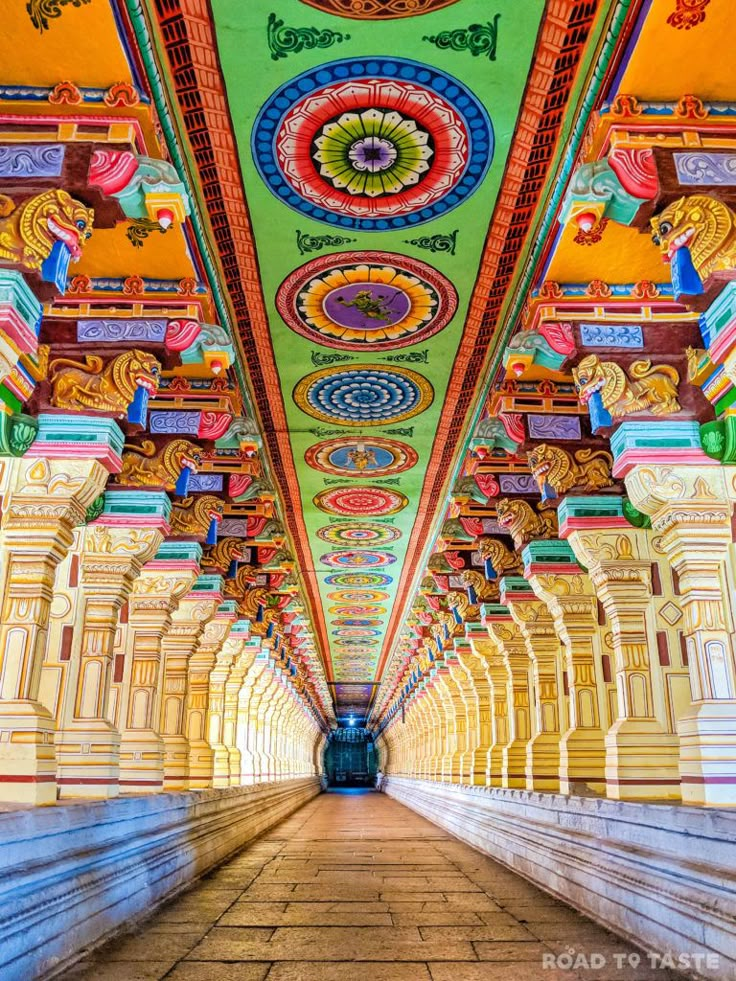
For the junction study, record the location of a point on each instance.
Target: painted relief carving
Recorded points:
(194, 515)
(648, 388)
(701, 224)
(480, 589)
(29, 231)
(502, 560)
(95, 386)
(146, 466)
(555, 468)
(523, 523)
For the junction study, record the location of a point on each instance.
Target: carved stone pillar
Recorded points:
(641, 754)
(557, 579)
(691, 508)
(156, 594)
(512, 649)
(188, 621)
(42, 501)
(114, 548)
(475, 767)
(545, 654)
(486, 650)
(201, 664)
(255, 684)
(227, 771)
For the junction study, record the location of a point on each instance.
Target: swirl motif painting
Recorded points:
(360, 501)
(359, 301)
(351, 580)
(373, 143)
(348, 559)
(367, 395)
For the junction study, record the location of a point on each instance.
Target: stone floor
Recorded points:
(356, 887)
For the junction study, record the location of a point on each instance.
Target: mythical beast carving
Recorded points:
(504, 561)
(702, 224)
(29, 231)
(194, 515)
(523, 523)
(589, 470)
(92, 386)
(144, 466)
(648, 388)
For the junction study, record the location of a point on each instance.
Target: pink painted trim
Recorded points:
(17, 329)
(709, 780)
(76, 451)
(96, 781)
(652, 457)
(508, 599)
(643, 783)
(722, 345)
(133, 521)
(202, 594)
(172, 565)
(585, 524)
(557, 568)
(141, 783)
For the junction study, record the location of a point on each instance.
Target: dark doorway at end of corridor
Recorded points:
(351, 758)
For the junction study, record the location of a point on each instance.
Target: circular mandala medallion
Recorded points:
(366, 395)
(356, 611)
(353, 457)
(357, 560)
(366, 301)
(363, 501)
(353, 579)
(357, 642)
(358, 596)
(355, 622)
(355, 632)
(373, 143)
(363, 535)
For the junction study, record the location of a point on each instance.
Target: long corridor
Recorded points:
(356, 887)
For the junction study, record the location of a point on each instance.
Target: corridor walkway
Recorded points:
(356, 877)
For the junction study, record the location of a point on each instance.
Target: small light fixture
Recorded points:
(351, 721)
(165, 217)
(586, 221)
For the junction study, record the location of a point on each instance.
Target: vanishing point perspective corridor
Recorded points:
(356, 887)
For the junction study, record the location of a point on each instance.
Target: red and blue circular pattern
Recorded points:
(348, 559)
(358, 596)
(364, 535)
(360, 501)
(373, 143)
(356, 611)
(352, 580)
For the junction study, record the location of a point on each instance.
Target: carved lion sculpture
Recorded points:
(144, 466)
(504, 561)
(649, 388)
(193, 515)
(485, 591)
(221, 555)
(704, 225)
(245, 578)
(29, 231)
(92, 386)
(590, 469)
(463, 610)
(523, 523)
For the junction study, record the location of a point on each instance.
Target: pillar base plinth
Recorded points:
(642, 761)
(201, 764)
(221, 766)
(141, 762)
(27, 754)
(235, 766)
(176, 762)
(88, 760)
(543, 762)
(583, 762)
(513, 774)
(708, 754)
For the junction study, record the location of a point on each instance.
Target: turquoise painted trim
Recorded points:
(133, 504)
(179, 552)
(80, 429)
(208, 584)
(554, 551)
(15, 292)
(597, 506)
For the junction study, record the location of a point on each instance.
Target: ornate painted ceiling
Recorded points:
(370, 181)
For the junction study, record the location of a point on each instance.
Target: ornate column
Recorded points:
(690, 500)
(512, 649)
(201, 664)
(227, 771)
(475, 766)
(188, 621)
(557, 579)
(253, 687)
(487, 652)
(641, 754)
(545, 654)
(114, 548)
(156, 594)
(44, 495)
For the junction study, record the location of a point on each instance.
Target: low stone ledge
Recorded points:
(75, 873)
(663, 876)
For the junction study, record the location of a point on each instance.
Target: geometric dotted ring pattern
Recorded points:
(367, 395)
(373, 143)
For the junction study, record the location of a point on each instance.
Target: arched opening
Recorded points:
(351, 758)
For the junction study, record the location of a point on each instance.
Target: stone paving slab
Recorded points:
(355, 887)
